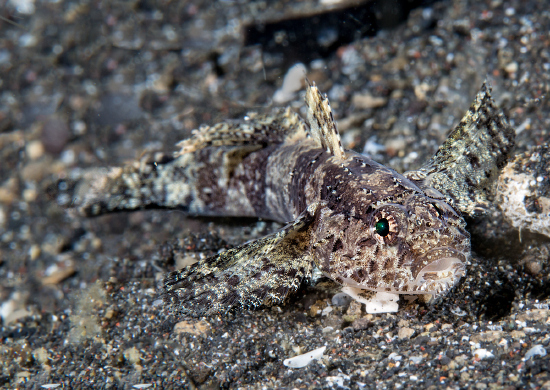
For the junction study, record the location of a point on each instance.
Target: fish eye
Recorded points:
(382, 227)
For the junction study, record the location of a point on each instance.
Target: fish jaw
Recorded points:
(439, 276)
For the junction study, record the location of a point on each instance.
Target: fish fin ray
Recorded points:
(262, 272)
(256, 131)
(467, 164)
(322, 126)
(97, 191)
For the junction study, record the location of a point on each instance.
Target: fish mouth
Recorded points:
(440, 275)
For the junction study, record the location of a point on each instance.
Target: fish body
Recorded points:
(362, 224)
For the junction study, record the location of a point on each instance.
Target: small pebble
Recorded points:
(196, 328)
(512, 67)
(405, 333)
(360, 323)
(34, 149)
(55, 134)
(341, 299)
(364, 101)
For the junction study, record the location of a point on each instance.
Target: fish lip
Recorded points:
(440, 275)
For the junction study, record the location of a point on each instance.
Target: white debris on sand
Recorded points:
(292, 83)
(537, 350)
(305, 359)
(482, 353)
(376, 302)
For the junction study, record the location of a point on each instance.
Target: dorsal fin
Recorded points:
(467, 164)
(255, 130)
(321, 123)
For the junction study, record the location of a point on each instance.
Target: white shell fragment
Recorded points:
(305, 359)
(292, 83)
(482, 353)
(377, 302)
(523, 190)
(536, 350)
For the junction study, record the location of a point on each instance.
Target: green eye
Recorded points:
(382, 227)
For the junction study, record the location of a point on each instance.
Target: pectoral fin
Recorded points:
(260, 272)
(467, 164)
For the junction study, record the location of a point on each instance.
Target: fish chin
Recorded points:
(438, 277)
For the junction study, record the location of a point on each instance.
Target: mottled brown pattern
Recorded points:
(362, 224)
(523, 191)
(467, 164)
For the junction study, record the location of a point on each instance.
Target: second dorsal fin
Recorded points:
(321, 123)
(467, 164)
(257, 130)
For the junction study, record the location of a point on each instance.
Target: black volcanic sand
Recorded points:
(94, 84)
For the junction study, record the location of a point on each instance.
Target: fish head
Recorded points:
(412, 244)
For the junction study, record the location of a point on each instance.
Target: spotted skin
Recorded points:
(467, 165)
(277, 167)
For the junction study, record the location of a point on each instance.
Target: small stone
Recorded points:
(23, 376)
(429, 326)
(8, 191)
(55, 134)
(197, 328)
(29, 195)
(512, 67)
(444, 361)
(59, 273)
(421, 91)
(354, 309)
(460, 360)
(317, 308)
(361, 323)
(517, 334)
(364, 101)
(35, 171)
(425, 298)
(341, 299)
(110, 314)
(405, 333)
(403, 323)
(34, 149)
(41, 355)
(395, 145)
(132, 355)
(328, 329)
(96, 243)
(34, 252)
(533, 267)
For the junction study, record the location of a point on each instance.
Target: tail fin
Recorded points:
(99, 191)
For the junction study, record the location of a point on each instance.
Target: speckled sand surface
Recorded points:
(93, 84)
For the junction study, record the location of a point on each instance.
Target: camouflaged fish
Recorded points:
(360, 223)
